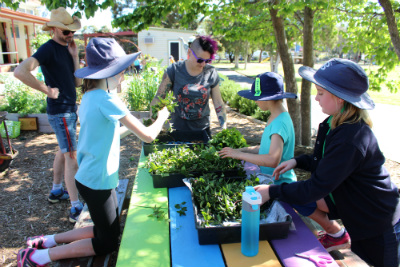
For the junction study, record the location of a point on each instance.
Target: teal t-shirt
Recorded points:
(283, 126)
(99, 139)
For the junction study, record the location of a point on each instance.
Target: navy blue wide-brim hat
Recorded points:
(105, 58)
(267, 86)
(342, 78)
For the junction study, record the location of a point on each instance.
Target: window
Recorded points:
(16, 31)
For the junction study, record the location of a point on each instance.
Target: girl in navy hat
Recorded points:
(348, 180)
(277, 141)
(98, 158)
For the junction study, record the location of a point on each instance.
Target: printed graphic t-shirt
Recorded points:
(192, 94)
(283, 126)
(99, 139)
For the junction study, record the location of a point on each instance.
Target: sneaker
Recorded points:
(74, 213)
(332, 243)
(36, 242)
(58, 195)
(24, 258)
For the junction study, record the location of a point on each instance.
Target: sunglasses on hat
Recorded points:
(67, 32)
(199, 59)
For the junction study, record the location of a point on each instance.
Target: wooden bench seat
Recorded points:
(85, 220)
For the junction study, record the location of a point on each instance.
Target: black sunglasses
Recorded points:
(66, 32)
(199, 59)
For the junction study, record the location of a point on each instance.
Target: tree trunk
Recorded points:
(288, 70)
(276, 63)
(236, 60)
(245, 55)
(308, 60)
(259, 60)
(392, 25)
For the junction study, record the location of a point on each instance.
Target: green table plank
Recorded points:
(145, 241)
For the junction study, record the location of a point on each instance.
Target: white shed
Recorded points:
(161, 43)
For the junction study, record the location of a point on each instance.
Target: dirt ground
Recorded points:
(24, 186)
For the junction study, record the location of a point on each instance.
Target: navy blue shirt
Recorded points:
(58, 69)
(352, 170)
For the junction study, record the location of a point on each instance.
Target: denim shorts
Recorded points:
(64, 126)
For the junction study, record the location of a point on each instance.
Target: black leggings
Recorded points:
(103, 209)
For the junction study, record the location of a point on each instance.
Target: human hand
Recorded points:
(284, 167)
(73, 49)
(263, 189)
(53, 92)
(228, 152)
(163, 113)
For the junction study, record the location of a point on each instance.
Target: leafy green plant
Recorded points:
(169, 101)
(219, 200)
(182, 159)
(142, 88)
(40, 39)
(228, 138)
(19, 98)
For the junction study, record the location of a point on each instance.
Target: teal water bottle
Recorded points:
(250, 221)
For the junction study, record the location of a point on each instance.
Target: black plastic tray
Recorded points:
(232, 234)
(175, 179)
(189, 138)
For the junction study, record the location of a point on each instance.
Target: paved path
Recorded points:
(384, 117)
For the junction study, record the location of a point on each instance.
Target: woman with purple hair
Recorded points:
(193, 81)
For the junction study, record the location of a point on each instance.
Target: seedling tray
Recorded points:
(175, 179)
(231, 232)
(171, 140)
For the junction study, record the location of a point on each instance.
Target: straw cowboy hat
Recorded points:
(61, 19)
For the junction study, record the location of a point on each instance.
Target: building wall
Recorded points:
(31, 7)
(20, 39)
(162, 39)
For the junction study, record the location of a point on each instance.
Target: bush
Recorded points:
(143, 87)
(243, 105)
(19, 98)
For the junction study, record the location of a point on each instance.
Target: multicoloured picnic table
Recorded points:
(148, 242)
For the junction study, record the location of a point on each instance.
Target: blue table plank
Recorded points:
(185, 248)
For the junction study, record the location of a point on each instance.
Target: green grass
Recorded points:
(253, 69)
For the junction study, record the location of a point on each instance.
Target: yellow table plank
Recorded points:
(265, 257)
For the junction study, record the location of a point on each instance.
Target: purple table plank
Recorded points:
(301, 240)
